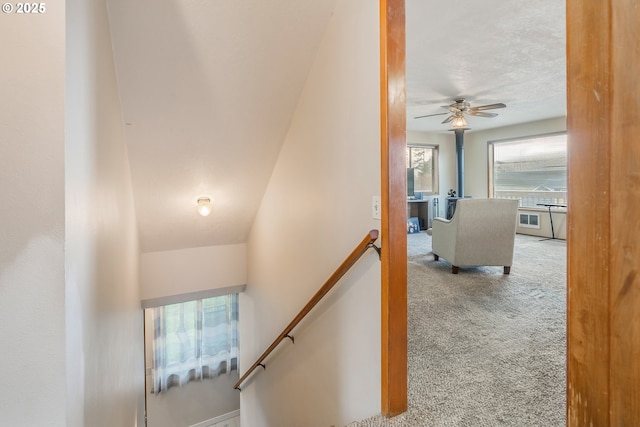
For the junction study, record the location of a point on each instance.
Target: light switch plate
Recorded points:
(376, 207)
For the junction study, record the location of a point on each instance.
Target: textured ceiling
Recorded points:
(208, 89)
(486, 52)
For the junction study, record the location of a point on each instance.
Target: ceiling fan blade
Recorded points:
(430, 115)
(448, 119)
(481, 113)
(488, 107)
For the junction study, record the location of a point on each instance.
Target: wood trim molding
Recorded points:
(603, 238)
(603, 344)
(394, 210)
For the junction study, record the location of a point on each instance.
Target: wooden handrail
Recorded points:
(366, 243)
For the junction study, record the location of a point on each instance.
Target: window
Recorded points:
(194, 340)
(532, 170)
(424, 161)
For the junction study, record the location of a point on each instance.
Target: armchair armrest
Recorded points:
(439, 220)
(444, 234)
(442, 220)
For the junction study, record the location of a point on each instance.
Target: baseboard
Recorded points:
(218, 419)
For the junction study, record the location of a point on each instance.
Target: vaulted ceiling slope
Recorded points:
(486, 52)
(208, 89)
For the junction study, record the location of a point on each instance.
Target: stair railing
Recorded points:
(366, 243)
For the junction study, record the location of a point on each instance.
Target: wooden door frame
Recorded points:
(394, 208)
(603, 233)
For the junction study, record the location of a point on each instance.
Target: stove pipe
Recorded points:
(460, 161)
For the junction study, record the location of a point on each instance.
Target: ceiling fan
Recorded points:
(460, 107)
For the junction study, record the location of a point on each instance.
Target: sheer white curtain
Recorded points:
(194, 340)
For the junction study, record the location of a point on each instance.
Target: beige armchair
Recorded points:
(481, 232)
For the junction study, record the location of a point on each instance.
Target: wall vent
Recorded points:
(529, 220)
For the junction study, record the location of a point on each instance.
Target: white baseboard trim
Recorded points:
(218, 419)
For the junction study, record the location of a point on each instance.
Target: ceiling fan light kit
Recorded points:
(456, 113)
(459, 122)
(460, 107)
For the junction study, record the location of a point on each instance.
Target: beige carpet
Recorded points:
(486, 349)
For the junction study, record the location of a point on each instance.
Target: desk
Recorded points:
(419, 208)
(549, 206)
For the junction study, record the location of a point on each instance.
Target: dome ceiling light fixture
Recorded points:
(204, 205)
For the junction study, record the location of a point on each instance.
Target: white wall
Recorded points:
(182, 271)
(170, 273)
(32, 368)
(105, 376)
(316, 209)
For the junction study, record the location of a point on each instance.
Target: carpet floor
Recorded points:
(485, 349)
